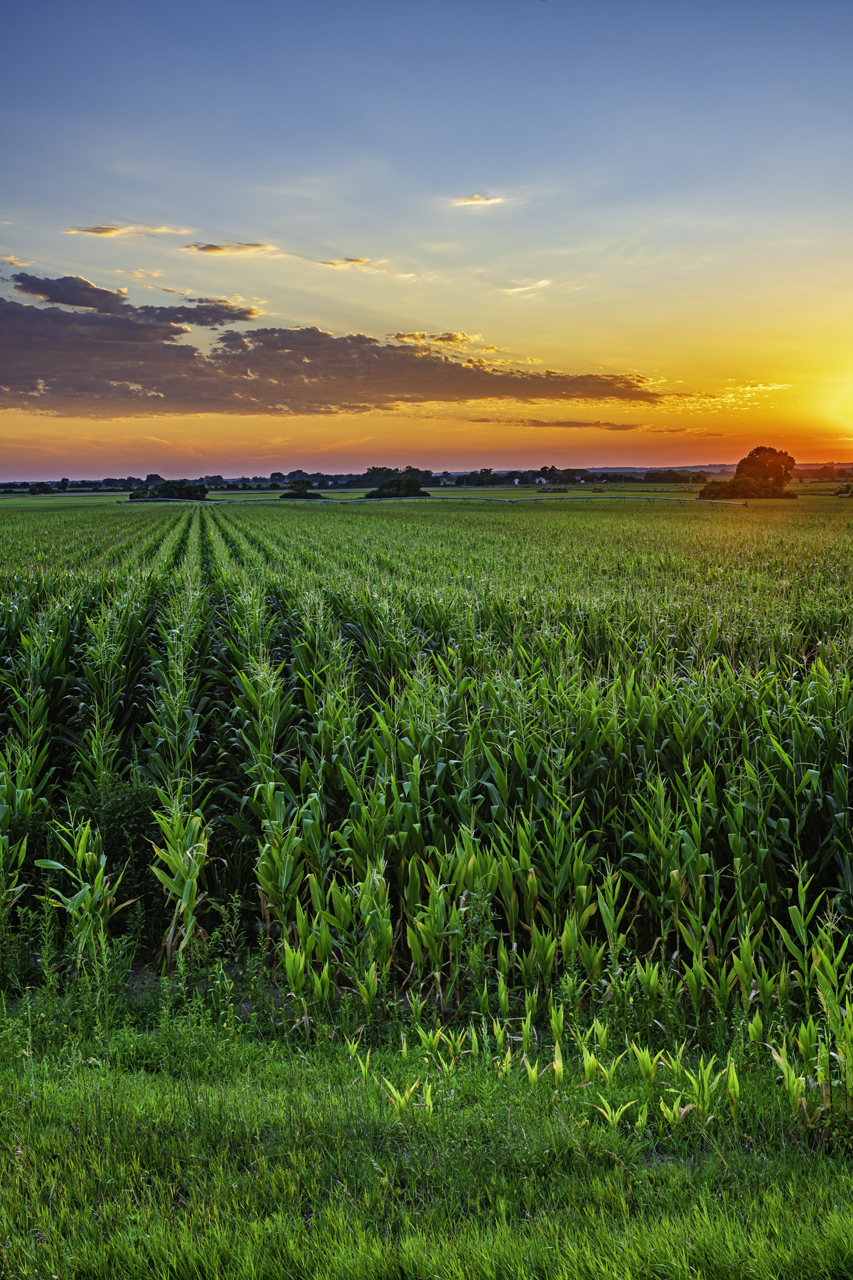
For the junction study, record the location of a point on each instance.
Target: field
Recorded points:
(502, 884)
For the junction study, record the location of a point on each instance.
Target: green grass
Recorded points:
(195, 1148)
(500, 763)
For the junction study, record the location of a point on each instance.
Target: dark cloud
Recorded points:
(75, 291)
(72, 291)
(207, 312)
(112, 359)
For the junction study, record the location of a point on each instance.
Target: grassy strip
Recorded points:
(177, 1144)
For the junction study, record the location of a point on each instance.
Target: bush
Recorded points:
(743, 487)
(399, 487)
(180, 489)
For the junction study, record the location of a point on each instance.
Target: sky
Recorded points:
(519, 233)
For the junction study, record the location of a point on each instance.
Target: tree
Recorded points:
(176, 489)
(375, 475)
(763, 473)
(769, 466)
(302, 487)
(399, 487)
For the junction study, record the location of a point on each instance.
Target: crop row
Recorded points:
(447, 759)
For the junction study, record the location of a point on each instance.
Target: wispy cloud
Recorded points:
(738, 398)
(234, 246)
(346, 262)
(15, 262)
(527, 288)
(139, 274)
(563, 424)
(130, 229)
(477, 200)
(448, 339)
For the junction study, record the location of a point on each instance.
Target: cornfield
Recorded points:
(480, 761)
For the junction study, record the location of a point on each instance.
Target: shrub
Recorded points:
(399, 487)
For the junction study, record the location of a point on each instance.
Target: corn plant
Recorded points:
(704, 1084)
(399, 1098)
(648, 1065)
(532, 1071)
(182, 863)
(675, 1114)
(92, 905)
(793, 1083)
(18, 807)
(613, 1114)
(558, 1065)
(279, 868)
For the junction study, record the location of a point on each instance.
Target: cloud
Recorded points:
(139, 273)
(75, 291)
(71, 291)
(15, 262)
(564, 424)
(232, 246)
(526, 288)
(135, 229)
(440, 339)
(346, 262)
(108, 359)
(578, 424)
(478, 200)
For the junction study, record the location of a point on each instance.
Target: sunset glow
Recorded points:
(505, 235)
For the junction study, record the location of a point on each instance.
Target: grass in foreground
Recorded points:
(182, 1142)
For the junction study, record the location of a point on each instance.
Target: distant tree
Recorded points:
(425, 477)
(770, 466)
(179, 489)
(153, 479)
(63, 484)
(375, 475)
(41, 487)
(763, 473)
(478, 478)
(301, 487)
(399, 487)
